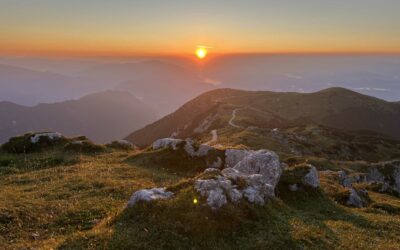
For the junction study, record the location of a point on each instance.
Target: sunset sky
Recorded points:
(128, 27)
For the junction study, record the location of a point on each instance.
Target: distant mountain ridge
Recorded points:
(334, 107)
(103, 116)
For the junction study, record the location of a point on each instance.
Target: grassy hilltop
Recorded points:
(57, 197)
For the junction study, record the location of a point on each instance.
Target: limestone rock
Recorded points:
(52, 136)
(257, 171)
(311, 179)
(166, 143)
(201, 151)
(357, 198)
(148, 195)
(216, 164)
(263, 162)
(211, 170)
(233, 156)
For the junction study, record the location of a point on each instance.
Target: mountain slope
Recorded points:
(238, 110)
(30, 87)
(102, 116)
(165, 85)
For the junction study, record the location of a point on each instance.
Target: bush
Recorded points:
(84, 147)
(121, 145)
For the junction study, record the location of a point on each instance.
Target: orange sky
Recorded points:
(125, 27)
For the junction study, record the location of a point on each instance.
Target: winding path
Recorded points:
(233, 118)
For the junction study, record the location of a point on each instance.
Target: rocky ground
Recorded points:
(69, 193)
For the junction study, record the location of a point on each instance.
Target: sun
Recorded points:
(201, 52)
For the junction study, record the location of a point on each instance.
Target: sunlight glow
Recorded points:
(201, 52)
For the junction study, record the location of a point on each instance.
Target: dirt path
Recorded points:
(214, 137)
(233, 118)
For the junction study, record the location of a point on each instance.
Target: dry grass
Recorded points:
(79, 203)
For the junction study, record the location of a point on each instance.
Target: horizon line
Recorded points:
(78, 54)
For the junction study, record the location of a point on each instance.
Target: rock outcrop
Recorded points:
(51, 136)
(385, 177)
(148, 195)
(167, 143)
(253, 177)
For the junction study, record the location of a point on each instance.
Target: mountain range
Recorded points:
(254, 117)
(102, 117)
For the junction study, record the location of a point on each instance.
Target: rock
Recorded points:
(344, 179)
(232, 173)
(167, 143)
(354, 199)
(396, 178)
(214, 191)
(258, 173)
(293, 187)
(311, 179)
(211, 170)
(388, 175)
(233, 156)
(148, 195)
(216, 198)
(358, 198)
(201, 151)
(216, 164)
(301, 175)
(375, 176)
(262, 162)
(235, 195)
(52, 136)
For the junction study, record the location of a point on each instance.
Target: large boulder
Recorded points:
(148, 195)
(253, 177)
(233, 156)
(263, 162)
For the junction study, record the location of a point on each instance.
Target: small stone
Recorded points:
(293, 187)
(148, 195)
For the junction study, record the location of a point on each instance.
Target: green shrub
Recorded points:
(120, 145)
(84, 147)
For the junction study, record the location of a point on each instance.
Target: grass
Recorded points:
(60, 200)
